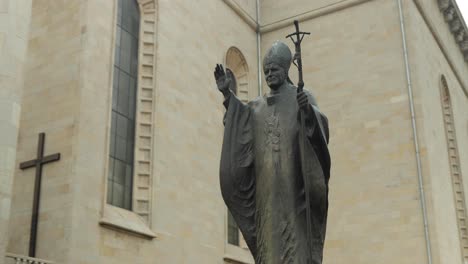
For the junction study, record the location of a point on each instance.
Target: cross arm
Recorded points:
(28, 164)
(32, 163)
(51, 158)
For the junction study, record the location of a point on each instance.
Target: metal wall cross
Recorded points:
(37, 163)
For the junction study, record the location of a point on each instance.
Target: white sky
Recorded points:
(463, 5)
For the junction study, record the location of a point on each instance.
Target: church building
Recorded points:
(111, 126)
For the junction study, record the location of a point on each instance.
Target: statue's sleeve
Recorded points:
(316, 167)
(317, 132)
(237, 177)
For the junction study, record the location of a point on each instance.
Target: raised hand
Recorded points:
(223, 81)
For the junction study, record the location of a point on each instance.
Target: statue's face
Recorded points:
(275, 75)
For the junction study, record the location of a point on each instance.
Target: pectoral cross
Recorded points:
(37, 163)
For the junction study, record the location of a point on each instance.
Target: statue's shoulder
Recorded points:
(256, 102)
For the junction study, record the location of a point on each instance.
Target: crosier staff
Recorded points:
(297, 56)
(297, 38)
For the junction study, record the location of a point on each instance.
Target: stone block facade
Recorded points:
(354, 63)
(15, 17)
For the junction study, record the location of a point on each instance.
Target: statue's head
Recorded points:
(276, 64)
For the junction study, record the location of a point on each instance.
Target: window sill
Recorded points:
(237, 255)
(235, 260)
(124, 220)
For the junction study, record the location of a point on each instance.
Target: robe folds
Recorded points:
(261, 176)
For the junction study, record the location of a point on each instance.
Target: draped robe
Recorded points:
(261, 176)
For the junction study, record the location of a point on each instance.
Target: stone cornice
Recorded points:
(457, 25)
(242, 14)
(311, 14)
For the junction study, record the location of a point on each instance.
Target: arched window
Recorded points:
(130, 171)
(454, 163)
(236, 62)
(122, 139)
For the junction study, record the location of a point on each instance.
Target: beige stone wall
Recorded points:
(353, 63)
(189, 212)
(249, 6)
(428, 63)
(68, 97)
(93, 125)
(51, 99)
(14, 26)
(272, 11)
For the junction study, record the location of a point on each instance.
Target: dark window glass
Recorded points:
(134, 56)
(118, 195)
(122, 136)
(119, 13)
(122, 126)
(125, 51)
(111, 169)
(109, 190)
(117, 46)
(115, 89)
(126, 14)
(120, 148)
(233, 230)
(119, 172)
(131, 97)
(129, 152)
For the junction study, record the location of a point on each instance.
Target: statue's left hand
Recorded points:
(223, 81)
(302, 100)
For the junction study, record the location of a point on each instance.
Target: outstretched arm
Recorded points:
(237, 177)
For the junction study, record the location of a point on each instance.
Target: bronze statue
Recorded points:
(275, 165)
